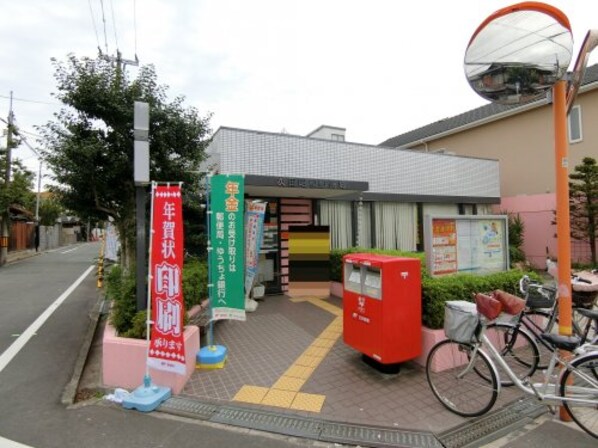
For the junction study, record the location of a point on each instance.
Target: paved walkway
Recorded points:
(288, 371)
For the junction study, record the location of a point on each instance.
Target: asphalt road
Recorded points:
(44, 316)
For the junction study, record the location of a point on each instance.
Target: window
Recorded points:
(338, 137)
(575, 132)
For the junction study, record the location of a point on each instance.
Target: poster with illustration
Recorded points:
(464, 243)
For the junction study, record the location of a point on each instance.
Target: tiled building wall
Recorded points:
(387, 170)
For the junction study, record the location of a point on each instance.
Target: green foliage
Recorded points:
(516, 233)
(21, 181)
(195, 282)
(120, 289)
(50, 210)
(437, 290)
(90, 144)
(583, 203)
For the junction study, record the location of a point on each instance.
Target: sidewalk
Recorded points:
(289, 372)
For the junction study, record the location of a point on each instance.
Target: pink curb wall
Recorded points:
(123, 361)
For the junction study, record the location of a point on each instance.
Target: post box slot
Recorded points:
(373, 283)
(353, 278)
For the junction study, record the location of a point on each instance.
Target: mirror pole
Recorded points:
(563, 230)
(561, 147)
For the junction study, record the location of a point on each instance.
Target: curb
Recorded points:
(70, 390)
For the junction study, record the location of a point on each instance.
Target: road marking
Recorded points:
(70, 250)
(285, 393)
(17, 345)
(6, 443)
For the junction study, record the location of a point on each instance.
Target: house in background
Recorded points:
(522, 139)
(366, 195)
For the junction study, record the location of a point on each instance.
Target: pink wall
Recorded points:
(537, 214)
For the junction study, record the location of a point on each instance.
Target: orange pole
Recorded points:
(563, 230)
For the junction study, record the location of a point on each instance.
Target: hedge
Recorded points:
(437, 290)
(120, 289)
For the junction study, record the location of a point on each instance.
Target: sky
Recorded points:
(378, 68)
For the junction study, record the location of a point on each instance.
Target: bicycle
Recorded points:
(463, 376)
(541, 316)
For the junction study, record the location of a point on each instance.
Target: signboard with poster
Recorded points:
(464, 243)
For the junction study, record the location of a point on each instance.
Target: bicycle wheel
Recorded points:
(580, 381)
(457, 383)
(538, 322)
(516, 347)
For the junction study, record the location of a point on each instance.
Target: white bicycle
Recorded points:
(464, 378)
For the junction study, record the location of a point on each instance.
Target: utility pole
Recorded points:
(5, 213)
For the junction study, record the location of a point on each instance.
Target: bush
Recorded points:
(437, 290)
(120, 289)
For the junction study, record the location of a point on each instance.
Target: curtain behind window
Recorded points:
(337, 215)
(396, 225)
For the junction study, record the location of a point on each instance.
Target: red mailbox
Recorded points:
(382, 307)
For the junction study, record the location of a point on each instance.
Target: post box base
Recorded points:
(391, 369)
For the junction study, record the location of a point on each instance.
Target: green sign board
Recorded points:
(227, 247)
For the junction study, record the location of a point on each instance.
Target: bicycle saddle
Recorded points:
(568, 343)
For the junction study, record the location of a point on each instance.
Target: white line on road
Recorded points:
(70, 250)
(17, 345)
(5, 443)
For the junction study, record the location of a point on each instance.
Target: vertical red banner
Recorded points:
(167, 349)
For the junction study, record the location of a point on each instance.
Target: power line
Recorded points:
(31, 101)
(135, 25)
(93, 21)
(114, 24)
(104, 20)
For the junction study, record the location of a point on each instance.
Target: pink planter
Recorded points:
(336, 289)
(123, 361)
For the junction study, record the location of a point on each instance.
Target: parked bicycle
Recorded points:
(541, 314)
(462, 372)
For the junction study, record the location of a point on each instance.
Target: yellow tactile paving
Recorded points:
(279, 398)
(308, 361)
(251, 394)
(324, 343)
(317, 352)
(285, 391)
(308, 402)
(289, 383)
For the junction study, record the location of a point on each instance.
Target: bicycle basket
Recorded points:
(540, 296)
(460, 320)
(584, 299)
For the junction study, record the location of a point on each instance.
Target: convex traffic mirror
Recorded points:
(518, 53)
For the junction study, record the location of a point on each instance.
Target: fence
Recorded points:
(22, 236)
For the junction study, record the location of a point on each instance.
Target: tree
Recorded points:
(90, 144)
(49, 211)
(583, 203)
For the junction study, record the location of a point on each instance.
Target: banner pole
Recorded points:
(210, 283)
(146, 379)
(148, 396)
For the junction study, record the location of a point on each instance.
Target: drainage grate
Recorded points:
(493, 425)
(372, 436)
(188, 408)
(267, 421)
(474, 433)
